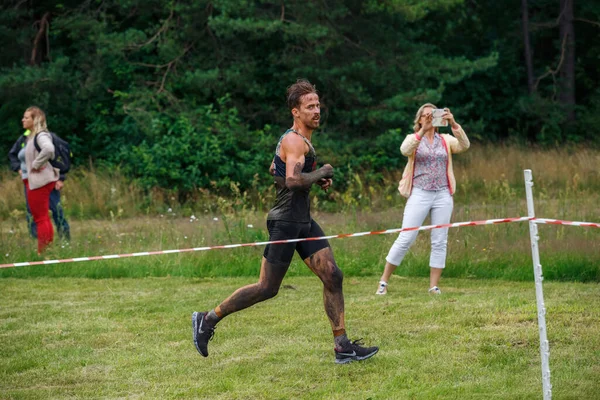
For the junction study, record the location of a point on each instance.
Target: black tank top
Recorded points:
(290, 205)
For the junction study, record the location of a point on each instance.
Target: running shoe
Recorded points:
(202, 332)
(354, 351)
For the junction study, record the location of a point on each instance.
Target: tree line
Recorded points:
(186, 95)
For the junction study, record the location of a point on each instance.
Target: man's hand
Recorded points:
(59, 185)
(326, 171)
(272, 168)
(325, 183)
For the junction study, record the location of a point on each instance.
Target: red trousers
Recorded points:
(39, 204)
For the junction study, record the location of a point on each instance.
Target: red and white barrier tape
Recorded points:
(559, 222)
(231, 246)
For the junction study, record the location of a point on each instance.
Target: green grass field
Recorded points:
(121, 328)
(131, 338)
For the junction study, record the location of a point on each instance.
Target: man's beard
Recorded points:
(314, 123)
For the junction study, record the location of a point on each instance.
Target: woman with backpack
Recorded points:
(41, 176)
(58, 214)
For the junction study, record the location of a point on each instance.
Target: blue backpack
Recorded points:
(62, 153)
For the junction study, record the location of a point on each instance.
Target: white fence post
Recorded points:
(539, 293)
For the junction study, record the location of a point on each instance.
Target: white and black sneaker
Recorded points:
(354, 351)
(202, 332)
(435, 290)
(382, 288)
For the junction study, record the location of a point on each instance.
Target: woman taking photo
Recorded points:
(41, 176)
(428, 182)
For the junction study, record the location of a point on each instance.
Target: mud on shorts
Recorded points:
(281, 254)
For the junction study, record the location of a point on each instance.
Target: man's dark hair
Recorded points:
(297, 90)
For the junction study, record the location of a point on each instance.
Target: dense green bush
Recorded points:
(207, 148)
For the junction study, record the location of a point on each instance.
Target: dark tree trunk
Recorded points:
(567, 72)
(527, 46)
(37, 52)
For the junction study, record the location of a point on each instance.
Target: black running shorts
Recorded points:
(281, 254)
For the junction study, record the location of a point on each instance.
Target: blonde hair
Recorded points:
(417, 124)
(39, 120)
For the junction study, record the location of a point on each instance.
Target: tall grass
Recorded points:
(486, 174)
(110, 215)
(493, 251)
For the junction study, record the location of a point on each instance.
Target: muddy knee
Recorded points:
(334, 277)
(268, 291)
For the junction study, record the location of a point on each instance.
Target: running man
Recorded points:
(294, 171)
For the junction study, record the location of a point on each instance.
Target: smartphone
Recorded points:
(437, 117)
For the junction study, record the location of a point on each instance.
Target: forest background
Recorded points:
(190, 96)
(173, 110)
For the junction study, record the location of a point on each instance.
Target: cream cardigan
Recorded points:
(453, 144)
(39, 160)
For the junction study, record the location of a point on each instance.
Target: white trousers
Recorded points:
(419, 204)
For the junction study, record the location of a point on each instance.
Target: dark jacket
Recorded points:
(13, 155)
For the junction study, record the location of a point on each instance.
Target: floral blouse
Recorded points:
(431, 160)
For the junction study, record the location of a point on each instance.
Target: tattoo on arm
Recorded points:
(303, 181)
